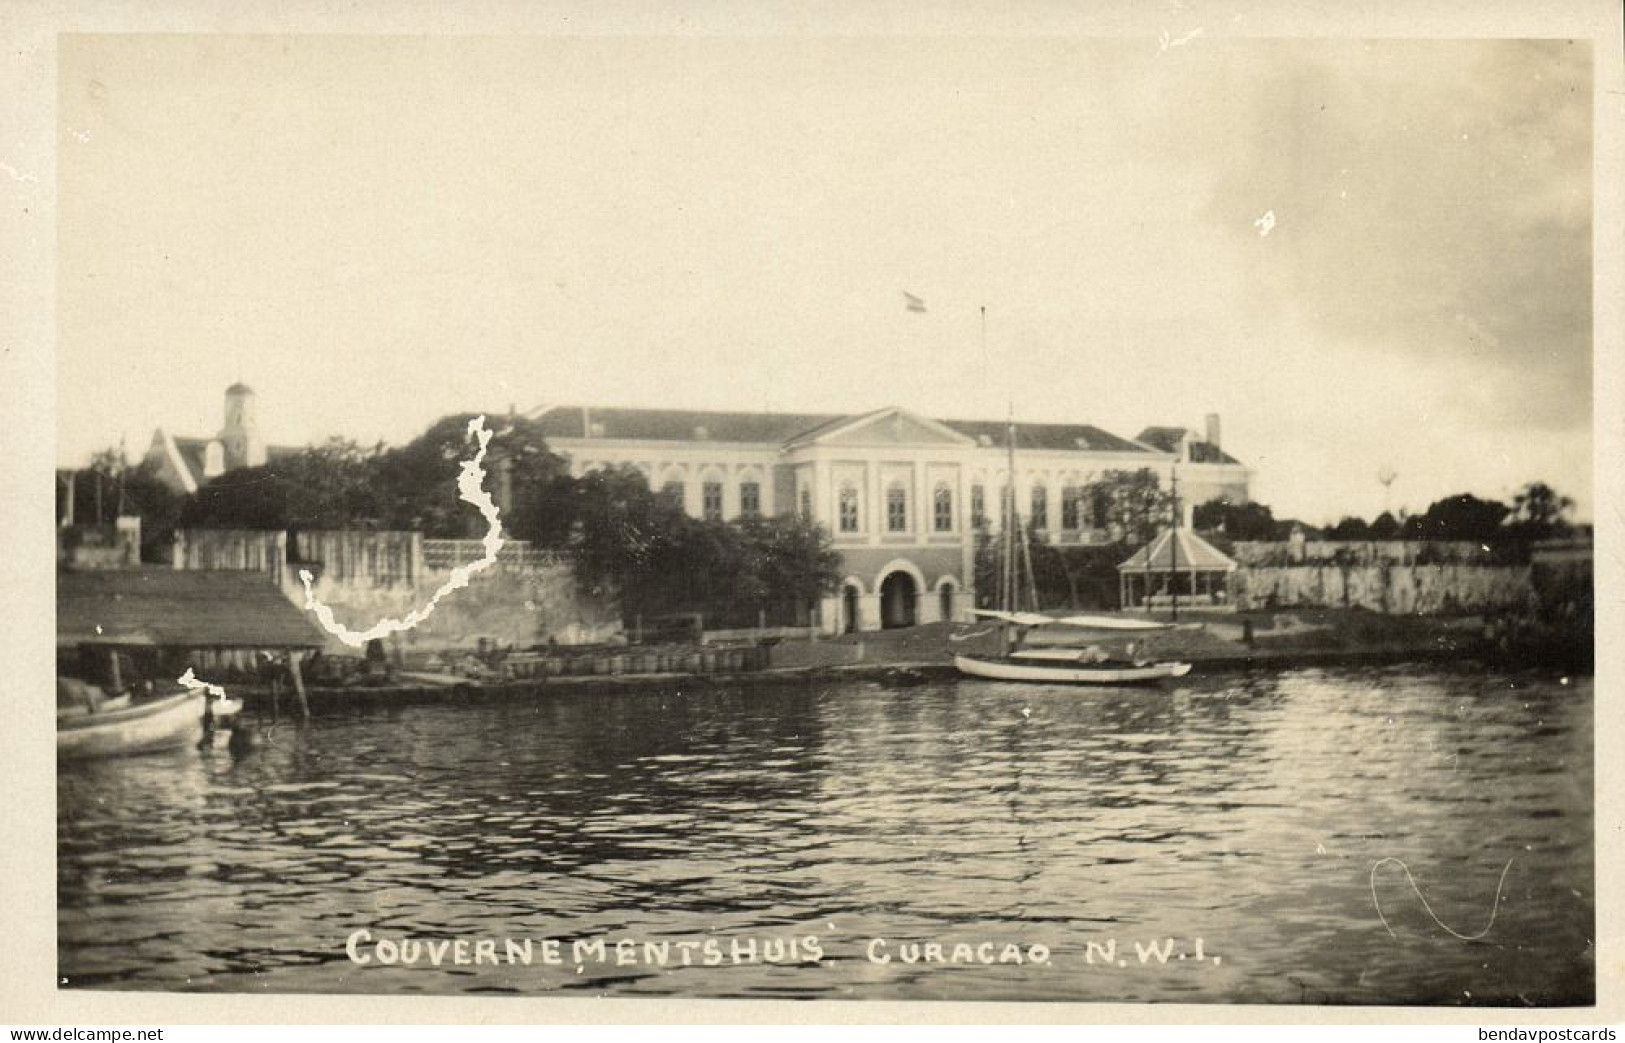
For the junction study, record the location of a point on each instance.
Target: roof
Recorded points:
(192, 452)
(179, 609)
(1193, 553)
(682, 425)
(1045, 436)
(1167, 439)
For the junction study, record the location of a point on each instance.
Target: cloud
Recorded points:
(1433, 201)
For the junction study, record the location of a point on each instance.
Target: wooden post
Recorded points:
(298, 684)
(114, 674)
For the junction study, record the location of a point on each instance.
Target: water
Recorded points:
(1247, 812)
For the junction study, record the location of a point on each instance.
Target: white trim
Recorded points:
(902, 565)
(947, 433)
(851, 581)
(178, 462)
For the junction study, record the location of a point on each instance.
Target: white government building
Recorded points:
(901, 494)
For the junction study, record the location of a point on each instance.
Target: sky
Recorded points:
(1360, 254)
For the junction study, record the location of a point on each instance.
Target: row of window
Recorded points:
(750, 498)
(1077, 507)
(1078, 510)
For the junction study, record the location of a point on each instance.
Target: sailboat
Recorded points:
(1091, 664)
(1088, 664)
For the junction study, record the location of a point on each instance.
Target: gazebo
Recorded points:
(1176, 564)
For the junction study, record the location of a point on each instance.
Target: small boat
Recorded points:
(137, 727)
(1068, 665)
(1072, 670)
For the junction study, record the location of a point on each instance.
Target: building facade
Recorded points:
(902, 495)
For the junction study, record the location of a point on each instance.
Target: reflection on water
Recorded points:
(1247, 812)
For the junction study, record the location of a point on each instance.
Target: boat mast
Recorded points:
(1173, 546)
(1011, 519)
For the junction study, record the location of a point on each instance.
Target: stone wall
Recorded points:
(1360, 552)
(527, 598)
(1422, 589)
(237, 550)
(518, 606)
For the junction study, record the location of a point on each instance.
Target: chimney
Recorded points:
(1213, 430)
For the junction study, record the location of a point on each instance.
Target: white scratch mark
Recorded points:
(1495, 907)
(193, 683)
(471, 486)
(189, 680)
(17, 175)
(1265, 224)
(1165, 41)
(82, 135)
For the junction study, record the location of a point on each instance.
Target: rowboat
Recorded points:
(1068, 670)
(157, 724)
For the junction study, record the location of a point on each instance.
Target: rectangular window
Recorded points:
(750, 499)
(978, 506)
(673, 491)
(1040, 516)
(711, 501)
(806, 502)
(896, 508)
(849, 509)
(1071, 500)
(942, 508)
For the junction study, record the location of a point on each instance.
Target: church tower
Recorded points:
(240, 437)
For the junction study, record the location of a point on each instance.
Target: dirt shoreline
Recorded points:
(916, 655)
(900, 674)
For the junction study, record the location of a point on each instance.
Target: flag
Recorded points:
(912, 302)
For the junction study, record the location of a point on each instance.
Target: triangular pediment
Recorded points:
(886, 427)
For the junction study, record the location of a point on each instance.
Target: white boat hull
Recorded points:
(1045, 671)
(156, 725)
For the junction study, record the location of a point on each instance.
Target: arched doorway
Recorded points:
(849, 609)
(898, 593)
(945, 602)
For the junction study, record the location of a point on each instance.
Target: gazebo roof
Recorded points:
(1194, 554)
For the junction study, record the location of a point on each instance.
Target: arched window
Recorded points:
(711, 501)
(750, 499)
(806, 501)
(942, 508)
(849, 507)
(1039, 519)
(214, 459)
(673, 491)
(896, 507)
(978, 505)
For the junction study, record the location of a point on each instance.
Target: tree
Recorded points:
(1237, 521)
(417, 482)
(793, 557)
(1350, 528)
(117, 489)
(330, 486)
(1459, 517)
(1132, 504)
(1386, 527)
(1539, 512)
